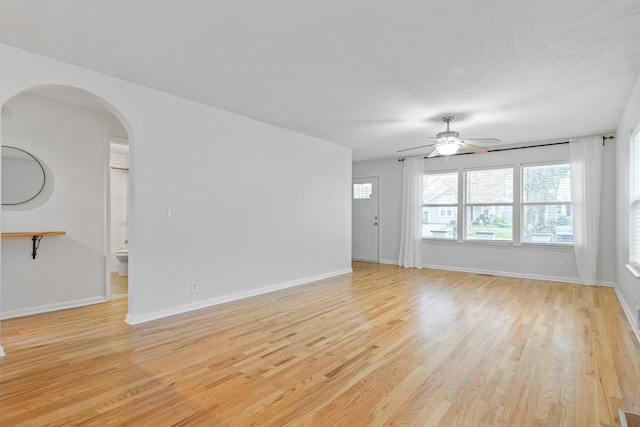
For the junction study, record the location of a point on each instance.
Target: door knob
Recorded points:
(375, 222)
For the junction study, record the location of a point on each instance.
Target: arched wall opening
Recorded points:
(67, 129)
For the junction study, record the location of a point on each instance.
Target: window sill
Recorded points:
(503, 243)
(492, 242)
(548, 245)
(441, 240)
(633, 269)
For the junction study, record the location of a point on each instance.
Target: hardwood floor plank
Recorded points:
(384, 346)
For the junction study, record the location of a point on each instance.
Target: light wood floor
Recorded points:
(384, 346)
(119, 285)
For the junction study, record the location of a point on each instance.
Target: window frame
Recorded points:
(464, 205)
(445, 206)
(634, 199)
(524, 204)
(516, 206)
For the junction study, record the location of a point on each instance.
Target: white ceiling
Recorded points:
(372, 75)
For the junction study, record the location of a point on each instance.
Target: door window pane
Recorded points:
(362, 191)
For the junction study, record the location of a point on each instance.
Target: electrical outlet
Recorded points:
(171, 213)
(562, 266)
(194, 286)
(335, 261)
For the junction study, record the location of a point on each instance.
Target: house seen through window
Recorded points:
(440, 205)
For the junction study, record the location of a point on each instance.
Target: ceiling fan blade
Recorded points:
(481, 141)
(434, 153)
(415, 148)
(473, 148)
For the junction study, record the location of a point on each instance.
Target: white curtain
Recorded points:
(411, 232)
(586, 182)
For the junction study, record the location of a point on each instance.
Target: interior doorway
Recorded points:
(120, 216)
(65, 129)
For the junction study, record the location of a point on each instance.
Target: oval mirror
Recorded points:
(22, 176)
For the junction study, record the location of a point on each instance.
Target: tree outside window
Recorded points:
(546, 204)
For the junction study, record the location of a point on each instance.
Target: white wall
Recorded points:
(257, 207)
(69, 270)
(627, 285)
(520, 261)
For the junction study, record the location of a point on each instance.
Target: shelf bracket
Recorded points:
(36, 245)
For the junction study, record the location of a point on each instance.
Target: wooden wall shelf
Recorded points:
(35, 236)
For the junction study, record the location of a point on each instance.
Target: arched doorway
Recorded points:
(67, 130)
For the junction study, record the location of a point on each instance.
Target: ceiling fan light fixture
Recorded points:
(448, 148)
(448, 137)
(449, 142)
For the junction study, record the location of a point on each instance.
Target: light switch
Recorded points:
(171, 213)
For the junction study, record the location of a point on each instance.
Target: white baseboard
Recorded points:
(50, 307)
(137, 319)
(520, 275)
(2, 353)
(629, 313)
(607, 284)
(503, 273)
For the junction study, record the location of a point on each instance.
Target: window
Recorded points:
(488, 204)
(546, 204)
(440, 205)
(517, 203)
(362, 191)
(634, 199)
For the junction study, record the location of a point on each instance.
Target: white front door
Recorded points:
(364, 239)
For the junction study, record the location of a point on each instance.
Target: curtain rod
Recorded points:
(604, 138)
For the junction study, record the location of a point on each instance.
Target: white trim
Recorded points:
(607, 284)
(636, 123)
(52, 307)
(118, 140)
(107, 219)
(634, 270)
(504, 273)
(2, 353)
(628, 313)
(134, 320)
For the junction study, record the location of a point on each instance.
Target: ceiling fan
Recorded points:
(449, 142)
